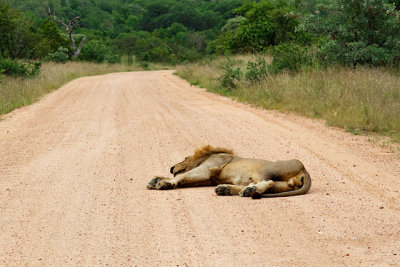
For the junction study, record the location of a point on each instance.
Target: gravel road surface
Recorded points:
(74, 168)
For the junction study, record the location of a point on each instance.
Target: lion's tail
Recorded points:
(304, 189)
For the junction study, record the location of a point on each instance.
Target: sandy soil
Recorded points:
(74, 169)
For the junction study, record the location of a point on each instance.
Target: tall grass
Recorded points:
(18, 92)
(358, 100)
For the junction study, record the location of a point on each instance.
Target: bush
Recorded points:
(157, 53)
(357, 53)
(95, 51)
(230, 77)
(13, 67)
(256, 71)
(290, 57)
(113, 58)
(61, 55)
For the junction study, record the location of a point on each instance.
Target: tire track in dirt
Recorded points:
(74, 168)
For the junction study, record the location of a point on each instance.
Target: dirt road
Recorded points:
(74, 169)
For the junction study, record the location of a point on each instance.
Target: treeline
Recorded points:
(160, 30)
(299, 33)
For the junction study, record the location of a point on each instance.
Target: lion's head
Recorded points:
(181, 167)
(200, 155)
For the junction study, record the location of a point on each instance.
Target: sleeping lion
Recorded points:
(254, 178)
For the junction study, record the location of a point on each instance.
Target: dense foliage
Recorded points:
(157, 30)
(259, 26)
(297, 32)
(16, 68)
(363, 32)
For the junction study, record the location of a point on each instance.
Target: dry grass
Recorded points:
(18, 92)
(359, 100)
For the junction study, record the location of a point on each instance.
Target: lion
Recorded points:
(234, 175)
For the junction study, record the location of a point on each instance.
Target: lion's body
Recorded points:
(237, 176)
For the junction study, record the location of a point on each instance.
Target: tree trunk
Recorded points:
(69, 28)
(78, 51)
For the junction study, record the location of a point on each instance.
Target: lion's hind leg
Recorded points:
(290, 184)
(256, 190)
(295, 182)
(228, 189)
(284, 186)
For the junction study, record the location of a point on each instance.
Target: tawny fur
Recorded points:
(202, 154)
(207, 151)
(235, 175)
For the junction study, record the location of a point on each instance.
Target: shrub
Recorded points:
(357, 53)
(113, 58)
(256, 71)
(290, 57)
(230, 77)
(95, 51)
(61, 55)
(13, 67)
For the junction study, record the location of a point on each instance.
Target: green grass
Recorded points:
(18, 92)
(359, 100)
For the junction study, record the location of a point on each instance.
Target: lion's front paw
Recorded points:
(153, 182)
(164, 185)
(223, 190)
(160, 183)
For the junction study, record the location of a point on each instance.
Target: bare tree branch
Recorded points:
(78, 51)
(56, 20)
(69, 28)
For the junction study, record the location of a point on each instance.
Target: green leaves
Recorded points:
(230, 77)
(16, 37)
(291, 58)
(95, 50)
(256, 71)
(19, 68)
(260, 25)
(61, 55)
(361, 32)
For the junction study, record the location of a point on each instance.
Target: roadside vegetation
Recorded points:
(339, 63)
(359, 100)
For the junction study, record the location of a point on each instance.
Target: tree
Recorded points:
(125, 43)
(363, 32)
(6, 28)
(258, 26)
(50, 39)
(17, 39)
(69, 28)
